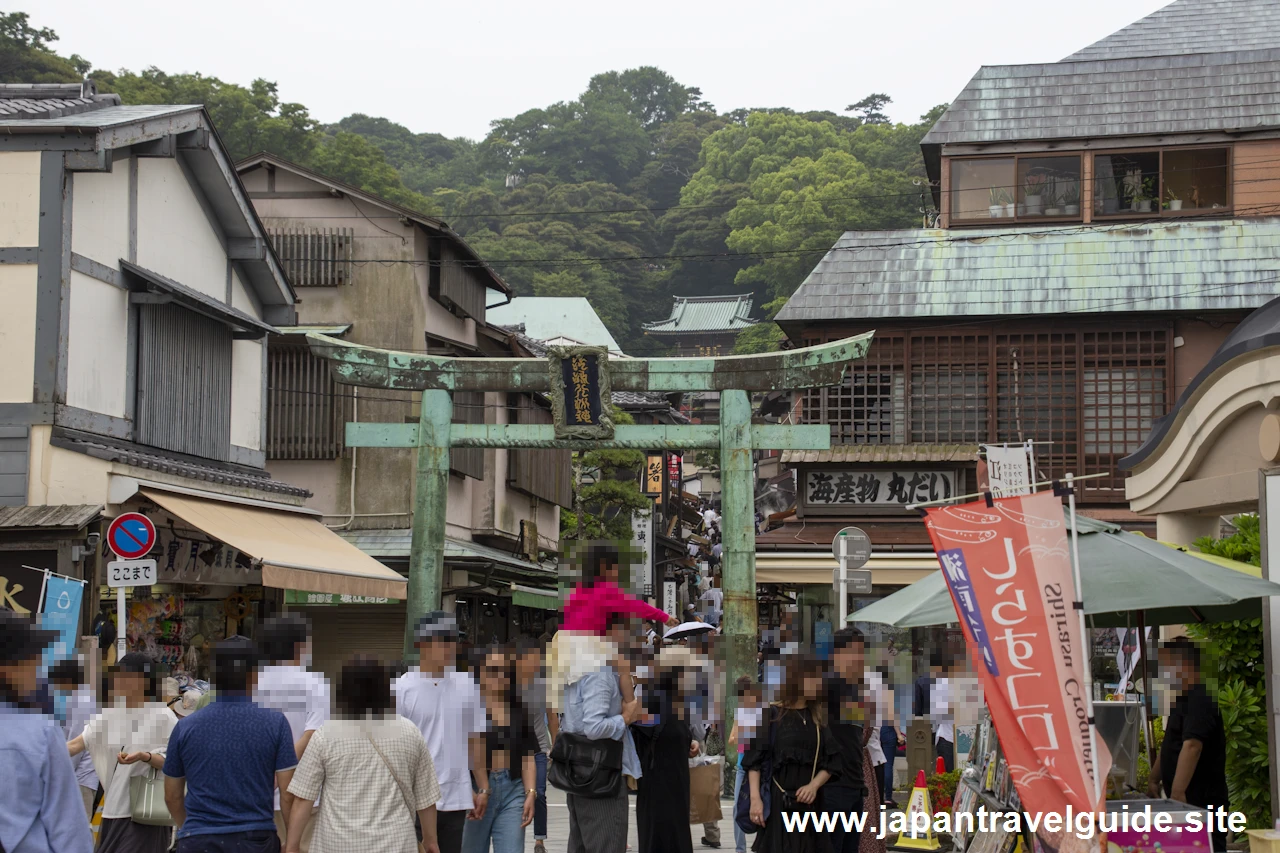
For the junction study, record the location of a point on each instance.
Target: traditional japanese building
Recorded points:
(1102, 225)
(703, 325)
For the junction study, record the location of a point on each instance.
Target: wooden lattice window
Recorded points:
(870, 406)
(306, 410)
(1037, 396)
(314, 257)
(1123, 389)
(949, 394)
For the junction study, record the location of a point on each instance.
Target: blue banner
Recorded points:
(62, 613)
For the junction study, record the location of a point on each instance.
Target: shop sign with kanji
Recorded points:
(883, 489)
(580, 395)
(295, 596)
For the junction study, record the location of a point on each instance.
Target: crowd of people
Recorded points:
(455, 754)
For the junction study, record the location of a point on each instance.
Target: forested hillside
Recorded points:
(636, 191)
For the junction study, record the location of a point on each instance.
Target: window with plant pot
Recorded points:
(1169, 181)
(1022, 187)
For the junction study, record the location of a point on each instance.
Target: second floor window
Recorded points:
(314, 257)
(306, 410)
(1022, 187)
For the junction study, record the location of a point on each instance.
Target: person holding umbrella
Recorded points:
(44, 814)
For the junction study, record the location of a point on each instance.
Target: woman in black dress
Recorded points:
(663, 743)
(804, 758)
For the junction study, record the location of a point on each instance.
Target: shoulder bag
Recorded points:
(404, 790)
(585, 767)
(146, 799)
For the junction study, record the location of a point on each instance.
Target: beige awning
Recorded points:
(296, 551)
(816, 567)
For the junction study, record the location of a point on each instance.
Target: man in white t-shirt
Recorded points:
(941, 703)
(446, 707)
(715, 596)
(287, 686)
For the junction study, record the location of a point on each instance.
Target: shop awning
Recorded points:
(296, 551)
(530, 596)
(816, 567)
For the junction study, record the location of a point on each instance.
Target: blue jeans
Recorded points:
(540, 805)
(501, 821)
(739, 837)
(888, 743)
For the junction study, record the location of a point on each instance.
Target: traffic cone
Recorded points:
(940, 766)
(918, 804)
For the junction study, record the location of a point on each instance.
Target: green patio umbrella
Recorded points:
(1127, 579)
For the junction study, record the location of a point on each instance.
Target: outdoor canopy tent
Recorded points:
(1121, 574)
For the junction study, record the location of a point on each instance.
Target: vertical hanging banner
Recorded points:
(1009, 469)
(1008, 567)
(20, 588)
(61, 612)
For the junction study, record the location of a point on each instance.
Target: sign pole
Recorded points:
(843, 586)
(1084, 638)
(121, 642)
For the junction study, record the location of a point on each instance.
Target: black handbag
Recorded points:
(585, 767)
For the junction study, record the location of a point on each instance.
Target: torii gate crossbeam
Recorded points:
(735, 436)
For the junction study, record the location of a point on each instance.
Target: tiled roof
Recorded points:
(51, 100)
(705, 314)
(69, 516)
(1176, 266)
(1193, 26)
(1225, 92)
(887, 453)
(137, 456)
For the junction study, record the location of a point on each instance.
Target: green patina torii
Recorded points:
(735, 437)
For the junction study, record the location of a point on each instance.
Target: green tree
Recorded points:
(794, 215)
(427, 162)
(248, 120)
(25, 55)
(606, 492)
(353, 159)
(871, 108)
(1234, 664)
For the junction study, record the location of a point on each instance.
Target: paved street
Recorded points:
(558, 826)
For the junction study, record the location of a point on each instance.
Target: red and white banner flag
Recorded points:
(1009, 571)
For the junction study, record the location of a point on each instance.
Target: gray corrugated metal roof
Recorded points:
(1119, 97)
(68, 516)
(1183, 266)
(1193, 26)
(705, 314)
(397, 543)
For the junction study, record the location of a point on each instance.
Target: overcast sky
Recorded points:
(452, 67)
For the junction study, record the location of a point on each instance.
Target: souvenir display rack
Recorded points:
(986, 782)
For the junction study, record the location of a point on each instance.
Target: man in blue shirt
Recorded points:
(594, 707)
(42, 810)
(230, 757)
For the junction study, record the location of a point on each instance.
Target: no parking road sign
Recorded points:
(131, 536)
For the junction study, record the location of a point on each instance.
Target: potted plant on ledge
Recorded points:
(996, 210)
(1146, 196)
(1033, 188)
(1071, 199)
(1174, 202)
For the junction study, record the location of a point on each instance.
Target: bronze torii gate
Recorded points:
(582, 423)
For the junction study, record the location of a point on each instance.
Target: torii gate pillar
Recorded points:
(735, 437)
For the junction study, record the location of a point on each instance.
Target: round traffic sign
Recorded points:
(856, 546)
(131, 535)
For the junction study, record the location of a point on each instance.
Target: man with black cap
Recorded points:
(229, 758)
(42, 812)
(446, 707)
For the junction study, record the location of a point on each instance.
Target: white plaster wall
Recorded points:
(174, 237)
(97, 349)
(240, 298)
(246, 394)
(19, 198)
(100, 214)
(57, 476)
(323, 478)
(18, 330)
(458, 511)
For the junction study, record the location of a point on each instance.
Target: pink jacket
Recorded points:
(588, 608)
